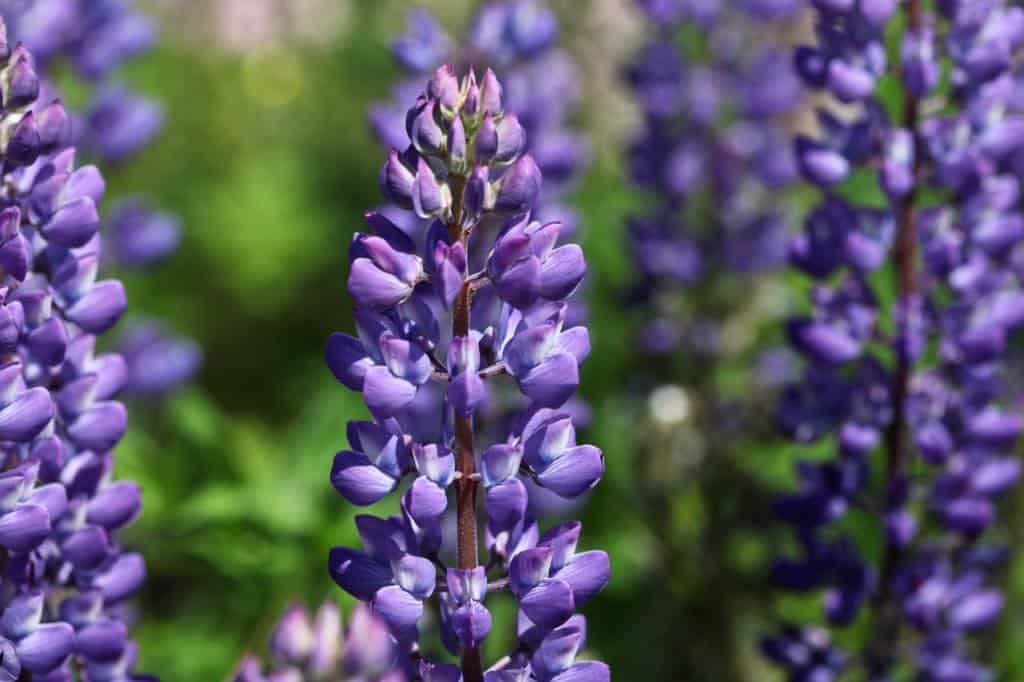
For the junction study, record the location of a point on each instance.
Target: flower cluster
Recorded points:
(66, 577)
(922, 379)
(316, 648)
(438, 326)
(518, 39)
(96, 37)
(714, 155)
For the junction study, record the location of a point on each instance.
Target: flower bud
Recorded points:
(444, 87)
(19, 83)
(490, 94)
(425, 133)
(396, 180)
(457, 145)
(511, 140)
(519, 187)
(486, 143)
(431, 198)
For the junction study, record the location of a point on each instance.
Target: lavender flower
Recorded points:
(940, 417)
(315, 648)
(97, 37)
(438, 325)
(66, 575)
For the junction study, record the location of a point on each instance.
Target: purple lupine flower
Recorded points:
(518, 39)
(317, 647)
(442, 320)
(96, 37)
(957, 290)
(712, 173)
(67, 575)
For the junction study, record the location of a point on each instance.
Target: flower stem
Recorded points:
(880, 652)
(465, 459)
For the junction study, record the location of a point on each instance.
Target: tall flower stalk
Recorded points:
(66, 576)
(97, 37)
(519, 40)
(485, 302)
(912, 387)
(714, 165)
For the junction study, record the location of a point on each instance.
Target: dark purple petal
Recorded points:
(357, 573)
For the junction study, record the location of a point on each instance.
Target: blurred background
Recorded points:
(268, 160)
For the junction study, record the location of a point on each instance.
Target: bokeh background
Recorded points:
(268, 159)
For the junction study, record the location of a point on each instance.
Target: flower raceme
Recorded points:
(480, 301)
(96, 37)
(66, 576)
(540, 83)
(923, 380)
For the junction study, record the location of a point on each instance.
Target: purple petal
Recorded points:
(23, 528)
(386, 394)
(552, 382)
(122, 579)
(506, 503)
(104, 641)
(115, 505)
(471, 623)
(347, 360)
(549, 604)
(416, 575)
(425, 501)
(358, 480)
(371, 286)
(573, 473)
(357, 573)
(100, 427)
(400, 611)
(46, 648)
(23, 419)
(587, 573)
(100, 308)
(528, 568)
(977, 611)
(87, 548)
(563, 270)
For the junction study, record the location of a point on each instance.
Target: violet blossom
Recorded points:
(67, 576)
(482, 301)
(97, 37)
(914, 388)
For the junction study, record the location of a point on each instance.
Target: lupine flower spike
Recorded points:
(714, 155)
(66, 576)
(97, 37)
(481, 301)
(914, 391)
(540, 83)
